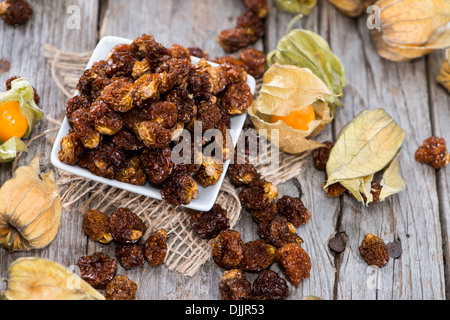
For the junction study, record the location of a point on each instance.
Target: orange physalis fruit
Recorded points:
(298, 120)
(12, 121)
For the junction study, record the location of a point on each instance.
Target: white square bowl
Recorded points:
(206, 196)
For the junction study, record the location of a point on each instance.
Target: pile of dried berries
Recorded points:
(279, 242)
(133, 107)
(126, 229)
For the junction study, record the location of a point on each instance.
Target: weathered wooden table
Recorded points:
(416, 218)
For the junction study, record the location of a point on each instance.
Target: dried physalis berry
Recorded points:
(321, 155)
(156, 248)
(294, 210)
(96, 226)
(228, 249)
(208, 225)
(121, 288)
(269, 286)
(98, 269)
(374, 251)
(294, 262)
(235, 286)
(126, 226)
(433, 152)
(130, 255)
(15, 12)
(258, 255)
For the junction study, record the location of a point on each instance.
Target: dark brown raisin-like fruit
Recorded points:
(139, 45)
(121, 61)
(208, 225)
(157, 164)
(153, 135)
(374, 251)
(294, 262)
(130, 256)
(98, 269)
(133, 173)
(180, 190)
(118, 95)
(90, 138)
(156, 248)
(96, 73)
(265, 215)
(199, 53)
(235, 286)
(140, 68)
(71, 149)
(321, 155)
(156, 53)
(164, 113)
(252, 25)
(185, 105)
(433, 152)
(235, 69)
(236, 98)
(179, 52)
(242, 174)
(121, 288)
(259, 7)
(135, 116)
(75, 103)
(95, 162)
(254, 61)
(15, 12)
(294, 210)
(278, 232)
(146, 88)
(258, 255)
(269, 286)
(258, 195)
(125, 140)
(174, 73)
(96, 226)
(210, 172)
(228, 249)
(126, 226)
(199, 85)
(335, 190)
(105, 120)
(36, 96)
(233, 39)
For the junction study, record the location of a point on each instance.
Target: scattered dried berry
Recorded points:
(294, 262)
(156, 248)
(258, 256)
(228, 249)
(236, 98)
(130, 255)
(374, 251)
(121, 288)
(269, 286)
(254, 61)
(98, 269)
(293, 210)
(242, 174)
(233, 39)
(235, 286)
(252, 25)
(260, 7)
(71, 149)
(208, 225)
(433, 152)
(321, 156)
(15, 12)
(96, 226)
(278, 232)
(265, 215)
(258, 195)
(126, 226)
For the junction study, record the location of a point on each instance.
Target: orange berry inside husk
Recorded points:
(12, 121)
(299, 119)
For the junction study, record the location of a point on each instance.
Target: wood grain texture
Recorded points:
(418, 218)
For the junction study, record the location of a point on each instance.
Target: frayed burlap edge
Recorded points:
(186, 252)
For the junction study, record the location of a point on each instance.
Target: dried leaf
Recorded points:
(352, 8)
(444, 76)
(287, 89)
(42, 279)
(30, 209)
(412, 28)
(296, 6)
(391, 182)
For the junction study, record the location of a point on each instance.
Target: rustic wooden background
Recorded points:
(417, 218)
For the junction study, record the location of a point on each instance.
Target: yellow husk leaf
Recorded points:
(391, 182)
(42, 279)
(30, 209)
(444, 76)
(412, 28)
(352, 8)
(287, 89)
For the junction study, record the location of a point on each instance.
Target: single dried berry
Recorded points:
(157, 164)
(228, 249)
(260, 7)
(293, 210)
(153, 135)
(294, 262)
(335, 190)
(210, 172)
(254, 61)
(133, 173)
(208, 225)
(174, 73)
(71, 149)
(121, 288)
(15, 12)
(179, 52)
(235, 69)
(139, 45)
(146, 88)
(433, 152)
(96, 226)
(236, 98)
(164, 113)
(180, 190)
(258, 256)
(184, 103)
(258, 195)
(78, 102)
(98, 269)
(96, 73)
(265, 215)
(130, 256)
(242, 174)
(156, 248)
(199, 53)
(278, 232)
(140, 68)
(127, 141)
(374, 251)
(121, 61)
(199, 85)
(235, 286)
(118, 95)
(252, 25)
(321, 156)
(90, 138)
(105, 120)
(233, 39)
(95, 162)
(269, 286)
(126, 226)
(155, 52)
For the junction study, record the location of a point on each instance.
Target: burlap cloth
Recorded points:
(186, 252)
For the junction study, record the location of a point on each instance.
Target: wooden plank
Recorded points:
(412, 217)
(24, 47)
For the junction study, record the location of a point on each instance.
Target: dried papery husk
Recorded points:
(410, 29)
(444, 75)
(30, 209)
(296, 6)
(34, 278)
(287, 89)
(352, 8)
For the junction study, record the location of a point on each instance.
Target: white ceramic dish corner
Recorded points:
(207, 196)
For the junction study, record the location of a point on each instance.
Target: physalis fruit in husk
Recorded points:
(306, 49)
(367, 147)
(444, 76)
(287, 90)
(18, 116)
(30, 209)
(352, 8)
(410, 29)
(296, 6)
(42, 279)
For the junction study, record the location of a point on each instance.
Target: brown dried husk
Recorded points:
(352, 8)
(412, 28)
(444, 76)
(30, 209)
